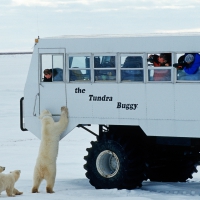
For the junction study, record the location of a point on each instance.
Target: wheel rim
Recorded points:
(107, 164)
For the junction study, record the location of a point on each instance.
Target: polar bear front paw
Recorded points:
(64, 108)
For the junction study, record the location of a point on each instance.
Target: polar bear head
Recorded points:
(2, 169)
(45, 113)
(16, 174)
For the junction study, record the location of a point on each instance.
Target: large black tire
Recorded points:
(173, 165)
(113, 164)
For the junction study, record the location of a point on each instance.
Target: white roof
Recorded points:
(125, 35)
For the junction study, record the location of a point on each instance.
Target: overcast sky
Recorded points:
(21, 21)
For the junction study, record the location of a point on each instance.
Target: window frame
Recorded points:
(41, 66)
(150, 67)
(118, 69)
(176, 74)
(131, 69)
(78, 69)
(113, 68)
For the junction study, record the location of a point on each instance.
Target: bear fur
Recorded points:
(7, 182)
(15, 191)
(45, 167)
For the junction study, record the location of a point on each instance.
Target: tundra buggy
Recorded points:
(147, 111)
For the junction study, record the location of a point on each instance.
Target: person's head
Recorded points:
(163, 58)
(47, 73)
(189, 58)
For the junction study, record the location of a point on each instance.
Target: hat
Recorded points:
(189, 58)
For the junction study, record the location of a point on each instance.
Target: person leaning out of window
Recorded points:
(163, 60)
(56, 73)
(189, 63)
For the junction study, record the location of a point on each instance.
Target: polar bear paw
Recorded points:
(64, 109)
(17, 192)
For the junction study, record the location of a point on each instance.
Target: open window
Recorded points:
(159, 67)
(188, 66)
(52, 67)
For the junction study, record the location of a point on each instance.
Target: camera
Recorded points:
(151, 59)
(183, 64)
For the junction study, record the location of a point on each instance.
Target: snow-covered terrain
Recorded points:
(19, 151)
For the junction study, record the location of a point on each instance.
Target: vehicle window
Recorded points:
(159, 67)
(187, 66)
(52, 67)
(131, 68)
(79, 68)
(104, 68)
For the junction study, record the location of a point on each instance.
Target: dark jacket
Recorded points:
(57, 75)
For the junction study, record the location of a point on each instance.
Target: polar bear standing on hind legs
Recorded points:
(45, 167)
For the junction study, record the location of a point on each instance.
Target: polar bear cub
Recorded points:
(15, 191)
(7, 182)
(45, 167)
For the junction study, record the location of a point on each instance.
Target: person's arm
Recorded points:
(193, 69)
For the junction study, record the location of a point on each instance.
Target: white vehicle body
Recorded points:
(159, 108)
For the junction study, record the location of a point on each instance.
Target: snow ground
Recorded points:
(19, 151)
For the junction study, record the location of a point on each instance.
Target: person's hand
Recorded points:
(177, 66)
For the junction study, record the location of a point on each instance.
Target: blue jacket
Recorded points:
(57, 74)
(193, 67)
